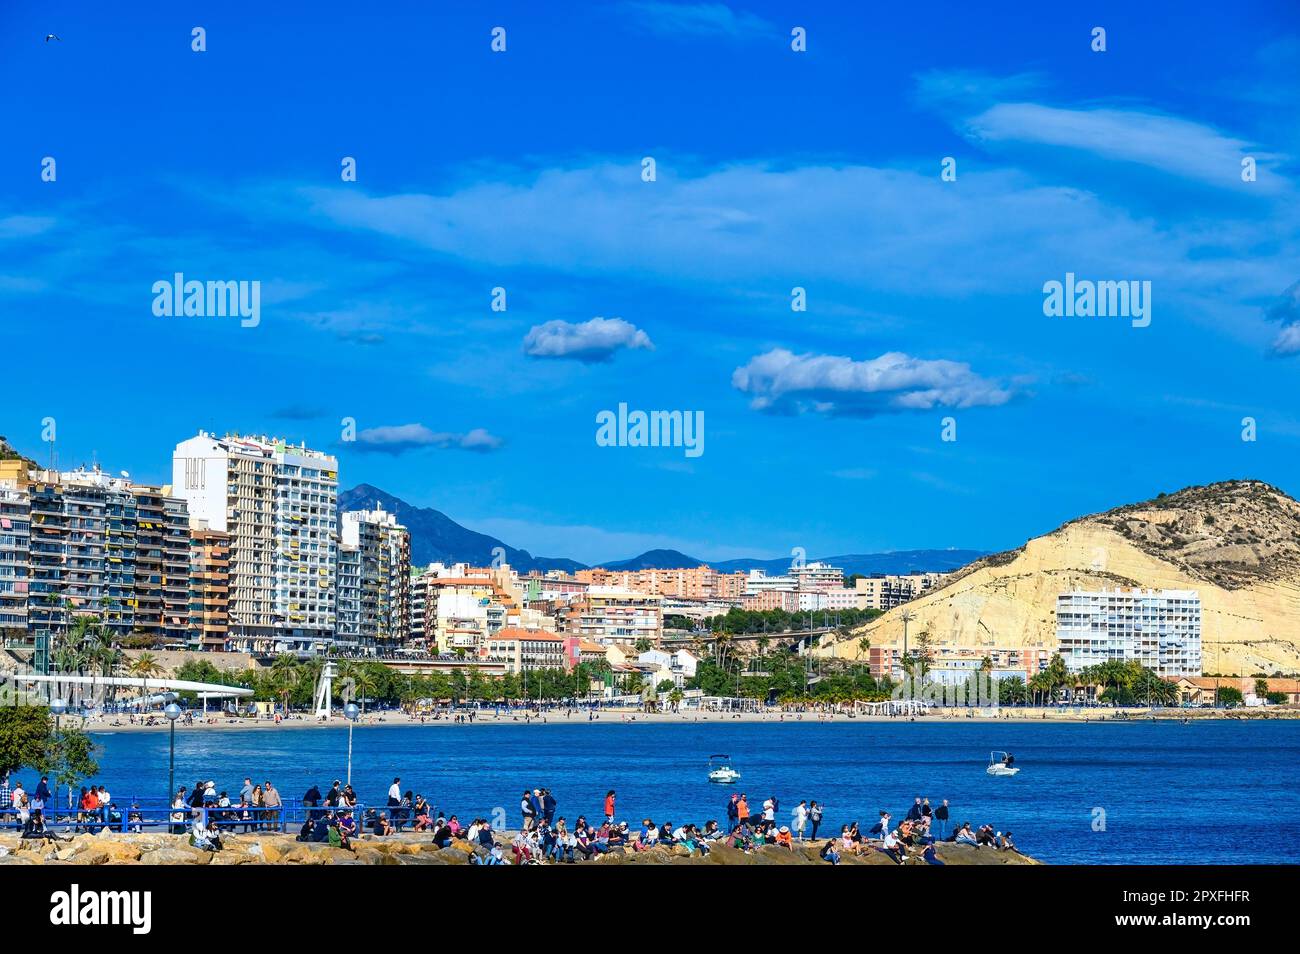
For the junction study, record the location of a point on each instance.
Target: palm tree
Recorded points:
(864, 646)
(283, 677)
(144, 666)
(364, 682)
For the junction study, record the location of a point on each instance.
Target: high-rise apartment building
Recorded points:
(1161, 629)
(209, 589)
(103, 546)
(277, 502)
(15, 544)
(376, 588)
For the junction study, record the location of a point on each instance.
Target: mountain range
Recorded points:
(435, 537)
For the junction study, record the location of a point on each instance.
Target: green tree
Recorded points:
(69, 757)
(1012, 692)
(24, 736)
(1230, 696)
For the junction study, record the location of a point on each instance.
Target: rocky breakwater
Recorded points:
(110, 848)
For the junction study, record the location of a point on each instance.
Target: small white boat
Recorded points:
(1000, 763)
(722, 773)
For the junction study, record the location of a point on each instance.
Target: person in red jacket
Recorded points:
(609, 806)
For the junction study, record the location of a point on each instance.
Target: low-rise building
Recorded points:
(607, 615)
(525, 649)
(893, 589)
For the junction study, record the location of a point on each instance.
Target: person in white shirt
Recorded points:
(395, 793)
(893, 847)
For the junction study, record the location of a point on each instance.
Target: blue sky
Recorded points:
(775, 169)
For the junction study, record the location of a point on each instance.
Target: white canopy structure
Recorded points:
(150, 685)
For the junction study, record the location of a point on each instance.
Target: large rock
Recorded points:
(175, 856)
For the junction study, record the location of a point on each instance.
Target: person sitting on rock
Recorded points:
(35, 828)
(442, 836)
(205, 837)
(338, 838)
(783, 838)
(828, 852)
(893, 847)
(347, 825)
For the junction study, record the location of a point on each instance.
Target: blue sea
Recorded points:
(1114, 793)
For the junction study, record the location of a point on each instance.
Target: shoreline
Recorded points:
(116, 724)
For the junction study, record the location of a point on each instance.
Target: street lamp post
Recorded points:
(173, 712)
(350, 712)
(58, 707)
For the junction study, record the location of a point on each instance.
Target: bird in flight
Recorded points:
(51, 36)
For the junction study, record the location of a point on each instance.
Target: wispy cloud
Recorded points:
(1172, 145)
(589, 341)
(401, 438)
(786, 383)
(693, 19)
(872, 227)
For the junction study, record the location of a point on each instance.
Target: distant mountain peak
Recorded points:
(435, 537)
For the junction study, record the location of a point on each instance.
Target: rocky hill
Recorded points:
(1237, 543)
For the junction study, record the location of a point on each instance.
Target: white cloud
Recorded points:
(782, 382)
(400, 438)
(1172, 145)
(588, 341)
(751, 222)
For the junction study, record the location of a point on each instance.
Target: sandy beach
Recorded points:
(118, 723)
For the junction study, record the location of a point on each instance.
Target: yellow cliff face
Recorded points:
(1251, 628)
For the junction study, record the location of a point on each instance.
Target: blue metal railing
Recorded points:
(156, 814)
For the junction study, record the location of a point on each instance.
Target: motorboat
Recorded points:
(1000, 763)
(722, 772)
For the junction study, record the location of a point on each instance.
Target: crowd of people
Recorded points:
(544, 836)
(914, 837)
